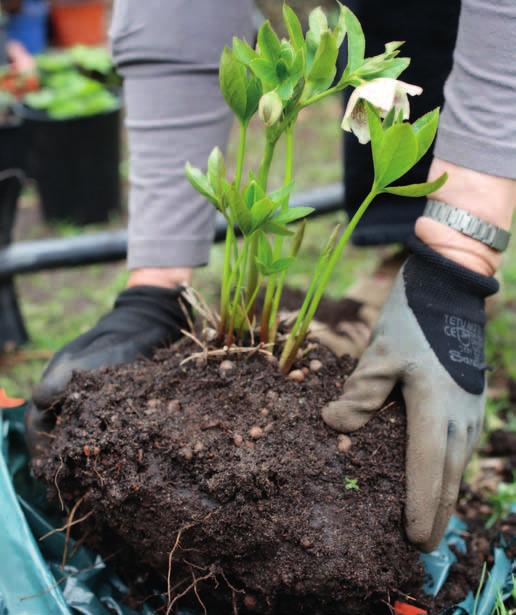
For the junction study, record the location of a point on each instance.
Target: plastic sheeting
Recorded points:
(33, 582)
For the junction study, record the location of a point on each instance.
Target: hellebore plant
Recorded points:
(277, 80)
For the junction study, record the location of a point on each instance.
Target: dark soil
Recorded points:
(330, 311)
(234, 478)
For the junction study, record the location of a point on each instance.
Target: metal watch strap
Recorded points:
(468, 224)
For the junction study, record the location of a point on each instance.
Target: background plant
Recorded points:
(278, 79)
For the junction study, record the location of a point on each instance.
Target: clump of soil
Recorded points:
(224, 479)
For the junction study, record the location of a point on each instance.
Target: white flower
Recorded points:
(384, 94)
(270, 108)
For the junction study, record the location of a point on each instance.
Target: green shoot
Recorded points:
(351, 484)
(276, 80)
(502, 500)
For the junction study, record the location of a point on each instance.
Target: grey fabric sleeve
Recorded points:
(478, 124)
(168, 54)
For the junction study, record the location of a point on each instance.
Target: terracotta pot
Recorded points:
(78, 23)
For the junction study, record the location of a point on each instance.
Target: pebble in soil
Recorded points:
(235, 473)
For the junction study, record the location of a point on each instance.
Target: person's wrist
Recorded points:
(163, 277)
(486, 196)
(455, 246)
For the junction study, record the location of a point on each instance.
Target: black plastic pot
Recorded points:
(12, 163)
(75, 163)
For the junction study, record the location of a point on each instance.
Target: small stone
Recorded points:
(250, 601)
(186, 452)
(198, 446)
(306, 543)
(315, 365)
(238, 440)
(226, 366)
(264, 412)
(174, 405)
(75, 395)
(209, 334)
(305, 371)
(153, 403)
(296, 375)
(256, 432)
(268, 428)
(344, 443)
(272, 396)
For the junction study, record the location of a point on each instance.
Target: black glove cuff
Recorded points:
(476, 283)
(448, 303)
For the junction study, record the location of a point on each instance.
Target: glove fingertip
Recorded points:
(339, 416)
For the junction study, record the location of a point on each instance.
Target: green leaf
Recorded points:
(425, 128)
(254, 93)
(216, 170)
(264, 249)
(393, 46)
(340, 29)
(268, 42)
(396, 155)
(356, 41)
(281, 264)
(200, 182)
(261, 210)
(376, 132)
(271, 226)
(386, 68)
(242, 214)
(293, 214)
(294, 28)
(318, 24)
(243, 52)
(279, 195)
(233, 83)
(323, 69)
(266, 72)
(418, 189)
(389, 118)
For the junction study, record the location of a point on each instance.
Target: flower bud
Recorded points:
(270, 108)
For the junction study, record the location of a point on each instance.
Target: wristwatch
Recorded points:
(461, 220)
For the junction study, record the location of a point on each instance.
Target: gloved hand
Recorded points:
(143, 318)
(430, 339)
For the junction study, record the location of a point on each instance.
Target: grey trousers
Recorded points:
(168, 51)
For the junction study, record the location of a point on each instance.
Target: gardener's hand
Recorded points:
(143, 319)
(429, 338)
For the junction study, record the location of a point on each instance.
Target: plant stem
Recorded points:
(235, 279)
(263, 177)
(265, 165)
(275, 283)
(225, 290)
(241, 155)
(231, 243)
(310, 305)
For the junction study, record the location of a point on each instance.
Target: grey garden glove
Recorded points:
(430, 339)
(143, 319)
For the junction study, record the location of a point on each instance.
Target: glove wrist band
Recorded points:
(480, 285)
(466, 223)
